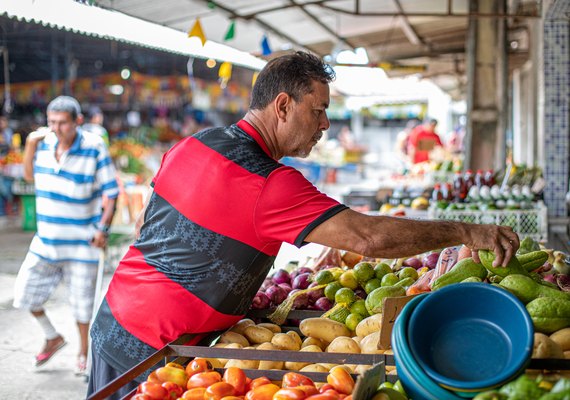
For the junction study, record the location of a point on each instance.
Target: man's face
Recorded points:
(307, 120)
(62, 124)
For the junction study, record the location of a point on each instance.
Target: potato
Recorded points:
(220, 345)
(562, 337)
(357, 339)
(328, 366)
(389, 352)
(369, 325)
(343, 344)
(352, 367)
(216, 363)
(296, 337)
(314, 368)
(544, 347)
(314, 341)
(243, 364)
(390, 368)
(393, 372)
(567, 354)
(269, 364)
(369, 344)
(232, 337)
(285, 342)
(223, 361)
(323, 328)
(258, 334)
(272, 327)
(297, 365)
(241, 325)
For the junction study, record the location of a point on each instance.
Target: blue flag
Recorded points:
(265, 49)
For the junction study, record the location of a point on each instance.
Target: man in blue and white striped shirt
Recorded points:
(72, 170)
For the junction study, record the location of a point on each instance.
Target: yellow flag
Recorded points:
(225, 71)
(254, 78)
(197, 31)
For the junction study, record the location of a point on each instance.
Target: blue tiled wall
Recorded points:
(557, 106)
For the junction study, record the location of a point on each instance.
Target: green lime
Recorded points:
(398, 387)
(389, 279)
(348, 280)
(359, 307)
(344, 295)
(408, 272)
(363, 271)
(324, 277)
(381, 269)
(386, 384)
(331, 289)
(372, 284)
(336, 272)
(352, 320)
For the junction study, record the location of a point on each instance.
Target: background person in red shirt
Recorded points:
(423, 139)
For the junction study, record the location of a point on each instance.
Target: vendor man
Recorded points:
(221, 207)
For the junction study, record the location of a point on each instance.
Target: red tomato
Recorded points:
(289, 394)
(198, 365)
(341, 380)
(141, 397)
(153, 390)
(174, 365)
(153, 378)
(349, 397)
(308, 389)
(293, 379)
(174, 391)
(232, 398)
(236, 377)
(219, 390)
(172, 374)
(258, 382)
(203, 379)
(263, 392)
(194, 394)
(325, 387)
(322, 396)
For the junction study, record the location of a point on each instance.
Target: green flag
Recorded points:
(231, 32)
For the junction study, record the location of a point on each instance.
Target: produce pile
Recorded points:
(200, 381)
(528, 387)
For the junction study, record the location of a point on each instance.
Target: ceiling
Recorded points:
(407, 36)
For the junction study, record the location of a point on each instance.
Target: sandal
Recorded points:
(81, 365)
(45, 356)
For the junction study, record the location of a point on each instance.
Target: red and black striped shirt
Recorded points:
(220, 210)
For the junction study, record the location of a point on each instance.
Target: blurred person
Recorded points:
(403, 139)
(94, 124)
(71, 170)
(423, 139)
(203, 249)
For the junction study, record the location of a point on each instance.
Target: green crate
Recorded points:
(28, 212)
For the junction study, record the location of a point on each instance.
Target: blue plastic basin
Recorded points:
(470, 336)
(418, 385)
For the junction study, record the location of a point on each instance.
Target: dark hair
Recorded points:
(65, 104)
(293, 74)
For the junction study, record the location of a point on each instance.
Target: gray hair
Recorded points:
(66, 104)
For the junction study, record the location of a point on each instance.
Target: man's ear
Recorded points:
(282, 103)
(80, 119)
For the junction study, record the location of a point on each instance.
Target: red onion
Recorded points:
(323, 304)
(413, 262)
(276, 294)
(299, 271)
(266, 283)
(360, 293)
(301, 281)
(549, 278)
(301, 302)
(316, 294)
(281, 276)
(285, 286)
(260, 301)
(430, 260)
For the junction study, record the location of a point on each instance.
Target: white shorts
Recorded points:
(38, 278)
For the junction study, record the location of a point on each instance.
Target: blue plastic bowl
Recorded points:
(418, 385)
(470, 336)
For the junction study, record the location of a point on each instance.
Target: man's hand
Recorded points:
(99, 239)
(38, 136)
(499, 239)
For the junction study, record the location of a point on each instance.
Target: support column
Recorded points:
(557, 107)
(487, 99)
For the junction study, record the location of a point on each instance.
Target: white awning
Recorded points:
(72, 16)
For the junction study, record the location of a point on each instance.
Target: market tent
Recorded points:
(406, 36)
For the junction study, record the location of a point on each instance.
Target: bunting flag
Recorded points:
(197, 31)
(225, 73)
(254, 78)
(230, 34)
(265, 49)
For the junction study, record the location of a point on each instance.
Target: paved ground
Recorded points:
(21, 339)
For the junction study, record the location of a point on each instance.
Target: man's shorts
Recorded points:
(38, 278)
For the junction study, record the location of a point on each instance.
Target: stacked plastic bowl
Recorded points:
(461, 340)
